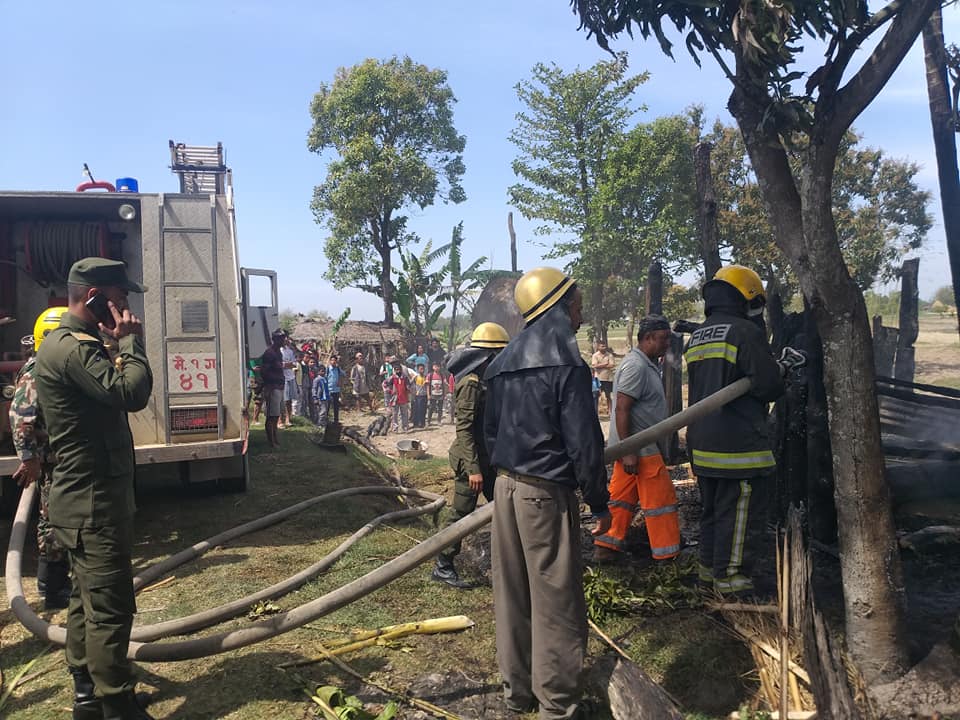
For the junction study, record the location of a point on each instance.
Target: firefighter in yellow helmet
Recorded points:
(730, 451)
(545, 441)
(36, 464)
(469, 457)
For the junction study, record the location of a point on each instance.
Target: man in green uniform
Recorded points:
(468, 455)
(36, 465)
(86, 397)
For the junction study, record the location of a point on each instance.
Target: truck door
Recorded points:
(261, 313)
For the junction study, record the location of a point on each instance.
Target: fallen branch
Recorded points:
(391, 632)
(156, 585)
(775, 715)
(743, 607)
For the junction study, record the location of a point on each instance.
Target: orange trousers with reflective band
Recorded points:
(652, 491)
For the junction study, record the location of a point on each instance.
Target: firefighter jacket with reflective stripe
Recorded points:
(732, 442)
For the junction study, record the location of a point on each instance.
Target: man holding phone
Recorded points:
(86, 398)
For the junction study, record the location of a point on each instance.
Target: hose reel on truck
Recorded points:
(153, 651)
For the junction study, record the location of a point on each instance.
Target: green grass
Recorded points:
(696, 662)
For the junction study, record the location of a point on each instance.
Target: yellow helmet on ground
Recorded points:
(48, 320)
(539, 290)
(743, 279)
(489, 335)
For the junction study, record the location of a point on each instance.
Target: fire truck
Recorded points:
(204, 316)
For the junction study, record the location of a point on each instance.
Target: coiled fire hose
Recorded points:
(310, 611)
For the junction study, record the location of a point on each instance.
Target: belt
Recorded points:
(519, 477)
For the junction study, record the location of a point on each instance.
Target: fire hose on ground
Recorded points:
(153, 651)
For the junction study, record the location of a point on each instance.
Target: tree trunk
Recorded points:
(706, 209)
(943, 119)
(869, 558)
(805, 231)
(598, 319)
(385, 282)
(452, 335)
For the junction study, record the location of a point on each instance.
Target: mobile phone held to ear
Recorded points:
(98, 306)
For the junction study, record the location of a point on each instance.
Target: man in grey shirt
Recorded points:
(641, 480)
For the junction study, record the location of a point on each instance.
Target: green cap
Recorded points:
(102, 272)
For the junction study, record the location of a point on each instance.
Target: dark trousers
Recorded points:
(464, 503)
(436, 406)
(335, 402)
(730, 527)
(419, 410)
(102, 605)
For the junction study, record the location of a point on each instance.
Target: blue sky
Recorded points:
(110, 83)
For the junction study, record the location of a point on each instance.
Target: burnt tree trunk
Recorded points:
(706, 209)
(654, 304)
(800, 212)
(820, 483)
(909, 321)
(513, 242)
(943, 118)
(884, 347)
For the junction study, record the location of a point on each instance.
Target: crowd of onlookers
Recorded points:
(416, 390)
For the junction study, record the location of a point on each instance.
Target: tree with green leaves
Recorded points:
(569, 123)
(945, 295)
(645, 203)
(390, 127)
(420, 293)
(880, 212)
(756, 45)
(463, 280)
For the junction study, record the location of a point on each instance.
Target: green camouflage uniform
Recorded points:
(468, 455)
(86, 399)
(30, 441)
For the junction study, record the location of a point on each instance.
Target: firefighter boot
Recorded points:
(86, 706)
(445, 572)
(124, 707)
(53, 584)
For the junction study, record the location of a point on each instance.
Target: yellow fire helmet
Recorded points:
(48, 320)
(747, 283)
(539, 290)
(489, 335)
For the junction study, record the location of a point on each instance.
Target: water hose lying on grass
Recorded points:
(310, 611)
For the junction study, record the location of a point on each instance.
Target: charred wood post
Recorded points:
(672, 367)
(654, 304)
(790, 419)
(513, 242)
(884, 347)
(706, 209)
(909, 321)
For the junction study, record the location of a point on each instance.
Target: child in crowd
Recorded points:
(596, 392)
(334, 381)
(420, 395)
(435, 394)
(400, 395)
(321, 395)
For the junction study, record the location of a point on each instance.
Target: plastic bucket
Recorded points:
(127, 185)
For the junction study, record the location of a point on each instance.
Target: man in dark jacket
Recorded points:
(469, 457)
(730, 449)
(85, 397)
(545, 441)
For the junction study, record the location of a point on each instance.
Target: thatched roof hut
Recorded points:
(375, 340)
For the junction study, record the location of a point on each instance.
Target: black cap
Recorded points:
(102, 272)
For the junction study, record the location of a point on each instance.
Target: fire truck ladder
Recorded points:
(202, 172)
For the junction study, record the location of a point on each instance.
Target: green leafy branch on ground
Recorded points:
(662, 588)
(336, 705)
